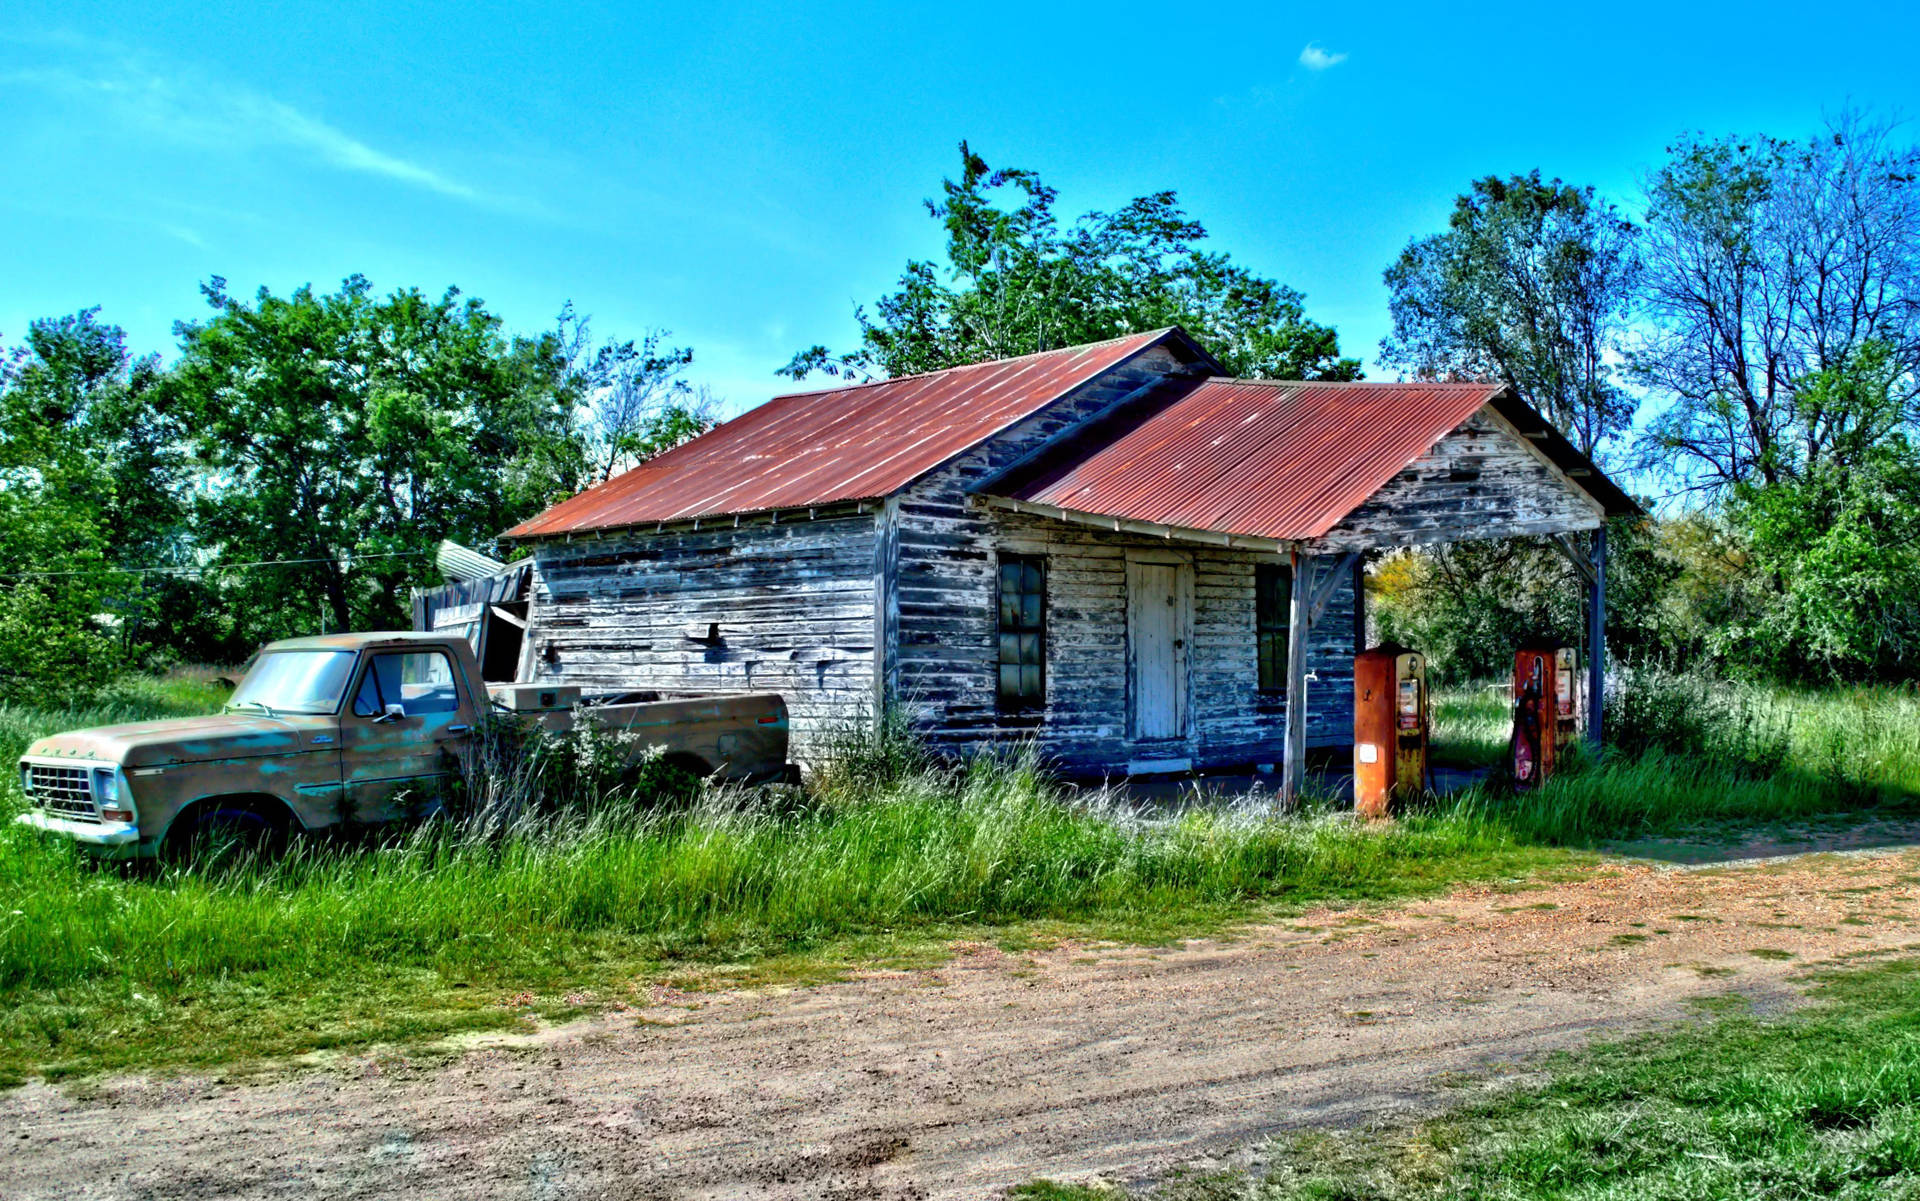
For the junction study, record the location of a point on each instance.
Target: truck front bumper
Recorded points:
(114, 838)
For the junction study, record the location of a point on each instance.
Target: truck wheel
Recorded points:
(223, 834)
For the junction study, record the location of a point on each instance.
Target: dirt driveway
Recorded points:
(959, 1081)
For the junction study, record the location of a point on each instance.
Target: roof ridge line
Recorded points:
(1351, 383)
(1012, 358)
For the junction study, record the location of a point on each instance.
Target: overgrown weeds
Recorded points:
(515, 777)
(433, 931)
(1732, 728)
(560, 877)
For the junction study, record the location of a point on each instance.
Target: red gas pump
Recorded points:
(1545, 710)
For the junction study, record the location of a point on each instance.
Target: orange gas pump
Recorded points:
(1546, 710)
(1389, 727)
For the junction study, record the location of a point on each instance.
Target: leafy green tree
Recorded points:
(1768, 264)
(350, 433)
(71, 502)
(1015, 282)
(1467, 605)
(1531, 284)
(1835, 549)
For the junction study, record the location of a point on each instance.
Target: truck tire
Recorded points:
(224, 832)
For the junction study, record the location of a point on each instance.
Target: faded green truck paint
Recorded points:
(121, 789)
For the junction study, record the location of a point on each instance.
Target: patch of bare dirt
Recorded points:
(959, 1081)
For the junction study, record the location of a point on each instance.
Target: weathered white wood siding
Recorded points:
(948, 649)
(1480, 481)
(943, 583)
(794, 603)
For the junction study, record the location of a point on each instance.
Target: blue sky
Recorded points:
(744, 174)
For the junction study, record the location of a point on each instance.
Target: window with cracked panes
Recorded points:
(1023, 631)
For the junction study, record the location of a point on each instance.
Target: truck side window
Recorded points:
(419, 682)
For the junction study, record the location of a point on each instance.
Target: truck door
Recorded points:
(399, 736)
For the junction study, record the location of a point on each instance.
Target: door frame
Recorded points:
(370, 798)
(1182, 563)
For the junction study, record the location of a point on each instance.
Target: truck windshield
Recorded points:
(295, 682)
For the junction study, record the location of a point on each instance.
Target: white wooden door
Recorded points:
(1157, 648)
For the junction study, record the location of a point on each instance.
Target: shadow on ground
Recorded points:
(1739, 844)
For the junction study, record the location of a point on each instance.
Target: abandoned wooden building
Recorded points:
(1110, 549)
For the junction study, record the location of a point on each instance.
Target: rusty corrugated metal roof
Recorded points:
(1258, 458)
(841, 444)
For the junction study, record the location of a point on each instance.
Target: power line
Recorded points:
(209, 568)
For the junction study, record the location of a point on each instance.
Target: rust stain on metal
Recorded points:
(843, 444)
(1259, 458)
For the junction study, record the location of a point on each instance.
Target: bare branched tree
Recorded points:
(1771, 265)
(637, 400)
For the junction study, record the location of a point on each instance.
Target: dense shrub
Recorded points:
(1727, 725)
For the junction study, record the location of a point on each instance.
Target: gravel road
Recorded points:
(956, 1082)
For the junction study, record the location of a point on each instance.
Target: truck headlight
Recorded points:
(111, 793)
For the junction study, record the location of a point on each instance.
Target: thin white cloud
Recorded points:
(1317, 58)
(340, 149)
(189, 236)
(218, 116)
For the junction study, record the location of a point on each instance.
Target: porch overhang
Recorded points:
(1133, 525)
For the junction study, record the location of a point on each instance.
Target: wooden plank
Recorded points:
(1597, 642)
(1359, 586)
(1574, 555)
(1293, 770)
(1330, 577)
(886, 608)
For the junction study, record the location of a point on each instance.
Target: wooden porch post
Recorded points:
(1299, 619)
(1359, 603)
(1597, 640)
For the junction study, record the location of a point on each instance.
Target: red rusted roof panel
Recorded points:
(1259, 458)
(853, 443)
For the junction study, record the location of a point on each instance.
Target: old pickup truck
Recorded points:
(349, 728)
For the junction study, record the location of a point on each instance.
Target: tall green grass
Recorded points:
(1471, 724)
(439, 928)
(1686, 752)
(86, 952)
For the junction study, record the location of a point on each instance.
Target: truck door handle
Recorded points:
(457, 729)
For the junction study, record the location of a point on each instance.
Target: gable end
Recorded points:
(1484, 479)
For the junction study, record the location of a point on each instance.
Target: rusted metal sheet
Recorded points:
(1257, 458)
(816, 448)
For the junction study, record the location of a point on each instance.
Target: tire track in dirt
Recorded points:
(960, 1080)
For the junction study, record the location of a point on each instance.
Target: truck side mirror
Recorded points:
(393, 712)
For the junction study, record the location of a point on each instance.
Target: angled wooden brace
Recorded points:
(1572, 553)
(1330, 576)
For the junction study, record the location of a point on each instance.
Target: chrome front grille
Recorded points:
(62, 791)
